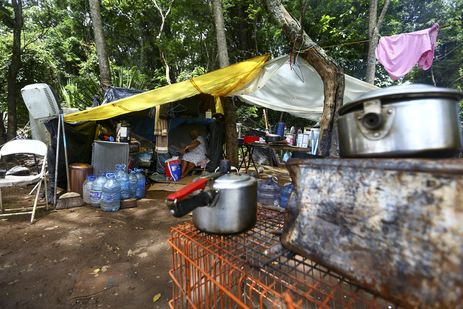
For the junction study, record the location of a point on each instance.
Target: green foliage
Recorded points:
(248, 115)
(186, 75)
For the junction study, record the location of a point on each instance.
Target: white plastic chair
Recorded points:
(24, 146)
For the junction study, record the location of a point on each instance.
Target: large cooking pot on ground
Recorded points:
(221, 204)
(401, 121)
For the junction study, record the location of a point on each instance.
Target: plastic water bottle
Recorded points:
(123, 179)
(268, 192)
(140, 189)
(95, 191)
(111, 194)
(87, 187)
(285, 193)
(133, 181)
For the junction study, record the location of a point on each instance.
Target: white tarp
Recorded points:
(296, 89)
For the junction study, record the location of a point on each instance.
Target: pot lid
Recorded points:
(394, 93)
(231, 178)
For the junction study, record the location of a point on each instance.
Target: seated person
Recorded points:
(194, 154)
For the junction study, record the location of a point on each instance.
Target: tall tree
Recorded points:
(330, 72)
(103, 62)
(16, 24)
(374, 26)
(163, 14)
(229, 109)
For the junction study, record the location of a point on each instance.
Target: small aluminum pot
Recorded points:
(227, 206)
(401, 121)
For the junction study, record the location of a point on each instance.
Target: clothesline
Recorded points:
(364, 41)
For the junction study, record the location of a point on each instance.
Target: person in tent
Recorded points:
(194, 154)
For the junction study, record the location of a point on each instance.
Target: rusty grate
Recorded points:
(246, 271)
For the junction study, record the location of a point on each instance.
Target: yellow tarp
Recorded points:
(216, 83)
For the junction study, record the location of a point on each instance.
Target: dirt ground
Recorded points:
(85, 258)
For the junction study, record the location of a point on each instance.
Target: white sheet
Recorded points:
(296, 89)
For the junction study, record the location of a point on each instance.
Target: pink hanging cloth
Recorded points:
(399, 53)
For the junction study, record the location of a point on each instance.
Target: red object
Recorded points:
(250, 139)
(190, 188)
(167, 169)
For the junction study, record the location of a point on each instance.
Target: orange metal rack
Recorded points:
(242, 271)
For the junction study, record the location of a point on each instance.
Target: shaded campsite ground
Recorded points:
(85, 258)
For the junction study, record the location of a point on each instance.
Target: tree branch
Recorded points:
(163, 16)
(382, 15)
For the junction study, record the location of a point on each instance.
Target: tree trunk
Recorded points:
(374, 25)
(229, 110)
(103, 62)
(14, 67)
(330, 73)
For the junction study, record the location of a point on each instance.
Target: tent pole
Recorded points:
(266, 119)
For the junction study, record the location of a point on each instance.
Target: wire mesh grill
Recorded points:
(248, 270)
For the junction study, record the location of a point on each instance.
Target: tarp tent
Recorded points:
(295, 88)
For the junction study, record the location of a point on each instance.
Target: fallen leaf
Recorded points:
(156, 297)
(96, 271)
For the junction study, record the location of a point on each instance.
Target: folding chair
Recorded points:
(24, 146)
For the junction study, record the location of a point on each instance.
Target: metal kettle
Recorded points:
(221, 204)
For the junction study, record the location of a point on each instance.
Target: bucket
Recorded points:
(78, 172)
(280, 128)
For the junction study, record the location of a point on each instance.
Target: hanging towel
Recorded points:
(399, 53)
(161, 131)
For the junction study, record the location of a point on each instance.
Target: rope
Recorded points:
(361, 41)
(195, 85)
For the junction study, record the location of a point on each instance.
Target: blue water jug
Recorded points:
(141, 181)
(285, 193)
(133, 181)
(268, 192)
(280, 128)
(111, 194)
(123, 179)
(95, 191)
(86, 188)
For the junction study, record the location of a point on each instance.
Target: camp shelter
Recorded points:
(279, 84)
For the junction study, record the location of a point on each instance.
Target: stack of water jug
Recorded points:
(269, 192)
(108, 189)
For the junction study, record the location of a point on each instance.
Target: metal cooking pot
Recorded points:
(221, 204)
(401, 121)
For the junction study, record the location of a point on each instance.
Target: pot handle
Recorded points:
(372, 118)
(179, 208)
(189, 188)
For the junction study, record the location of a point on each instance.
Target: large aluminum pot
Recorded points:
(225, 205)
(401, 121)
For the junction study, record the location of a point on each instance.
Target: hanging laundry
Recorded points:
(399, 53)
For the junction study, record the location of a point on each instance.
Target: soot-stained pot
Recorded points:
(226, 205)
(402, 121)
